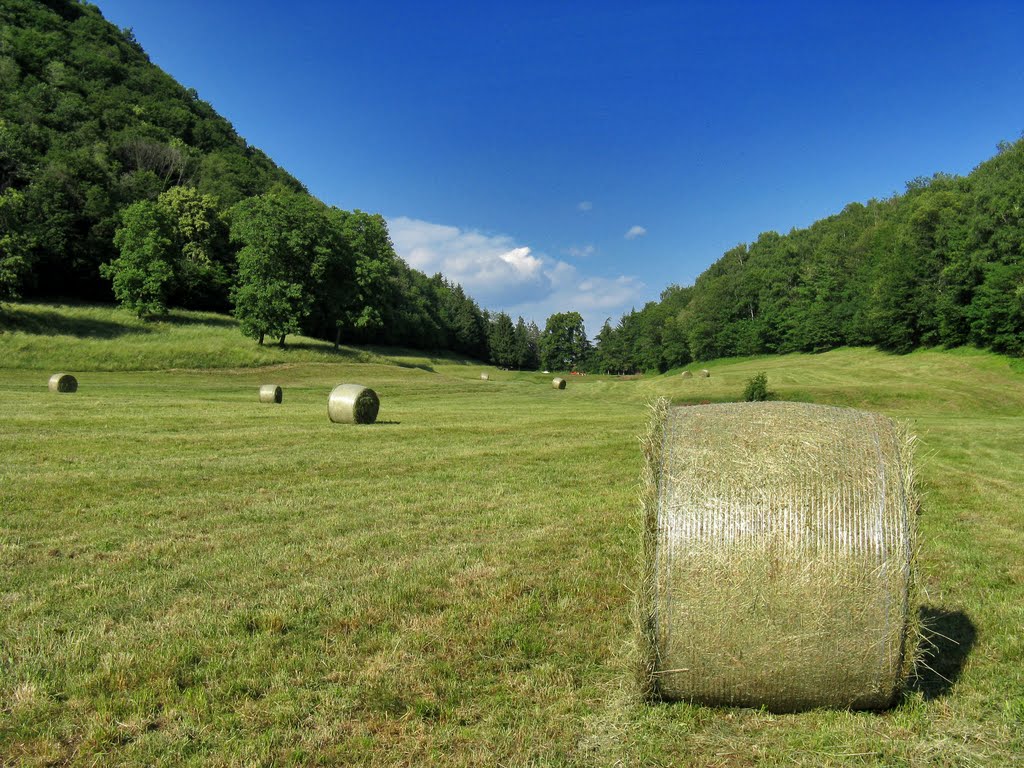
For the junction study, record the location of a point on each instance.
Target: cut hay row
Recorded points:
(271, 393)
(779, 540)
(63, 382)
(353, 404)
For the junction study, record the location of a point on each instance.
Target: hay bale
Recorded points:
(63, 382)
(353, 404)
(558, 382)
(686, 375)
(271, 393)
(484, 377)
(705, 373)
(779, 542)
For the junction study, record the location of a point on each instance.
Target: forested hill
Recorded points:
(118, 183)
(89, 125)
(941, 264)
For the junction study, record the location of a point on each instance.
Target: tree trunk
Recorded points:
(337, 338)
(281, 342)
(261, 338)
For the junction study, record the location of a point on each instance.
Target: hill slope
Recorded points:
(88, 125)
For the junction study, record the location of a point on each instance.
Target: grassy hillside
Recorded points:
(101, 338)
(190, 577)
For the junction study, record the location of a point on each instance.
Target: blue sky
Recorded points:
(582, 156)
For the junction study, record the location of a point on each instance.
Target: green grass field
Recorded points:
(188, 577)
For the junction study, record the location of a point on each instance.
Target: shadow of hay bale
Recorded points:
(947, 638)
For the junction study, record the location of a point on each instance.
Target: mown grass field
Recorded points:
(188, 577)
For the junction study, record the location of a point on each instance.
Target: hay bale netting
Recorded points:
(686, 375)
(705, 373)
(271, 393)
(484, 377)
(779, 543)
(63, 382)
(558, 382)
(353, 404)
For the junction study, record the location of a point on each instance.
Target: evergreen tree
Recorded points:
(503, 342)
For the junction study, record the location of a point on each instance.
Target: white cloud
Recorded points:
(489, 267)
(635, 231)
(581, 251)
(584, 205)
(502, 274)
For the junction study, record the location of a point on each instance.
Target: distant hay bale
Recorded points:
(353, 404)
(484, 377)
(778, 556)
(558, 382)
(705, 373)
(686, 375)
(271, 393)
(63, 382)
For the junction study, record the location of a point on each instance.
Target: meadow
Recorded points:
(190, 577)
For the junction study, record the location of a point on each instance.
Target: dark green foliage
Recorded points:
(513, 345)
(652, 339)
(142, 275)
(757, 390)
(564, 344)
(89, 126)
(282, 236)
(527, 345)
(15, 244)
(943, 264)
(502, 341)
(169, 251)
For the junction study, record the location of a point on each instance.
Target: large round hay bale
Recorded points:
(484, 377)
(353, 404)
(271, 393)
(63, 382)
(686, 375)
(558, 382)
(779, 543)
(705, 373)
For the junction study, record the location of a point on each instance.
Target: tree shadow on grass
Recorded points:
(50, 323)
(947, 638)
(420, 366)
(217, 322)
(324, 349)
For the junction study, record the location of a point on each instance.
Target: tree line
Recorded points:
(941, 264)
